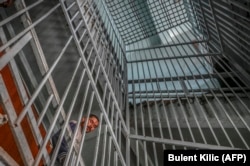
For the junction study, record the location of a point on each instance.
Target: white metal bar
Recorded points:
(70, 6)
(97, 146)
(152, 133)
(5, 157)
(109, 150)
(104, 146)
(181, 143)
(45, 109)
(135, 116)
(146, 160)
(12, 52)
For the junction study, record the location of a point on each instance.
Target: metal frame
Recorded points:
(102, 70)
(187, 91)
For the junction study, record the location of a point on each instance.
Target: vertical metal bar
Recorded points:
(115, 163)
(98, 141)
(143, 132)
(149, 108)
(142, 118)
(109, 150)
(112, 114)
(116, 125)
(159, 122)
(152, 133)
(45, 109)
(135, 114)
(104, 146)
(168, 123)
(128, 119)
(120, 134)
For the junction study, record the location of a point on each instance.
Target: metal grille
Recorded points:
(141, 19)
(189, 92)
(159, 74)
(64, 73)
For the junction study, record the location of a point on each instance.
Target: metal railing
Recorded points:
(90, 77)
(157, 79)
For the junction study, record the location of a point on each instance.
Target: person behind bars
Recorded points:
(92, 124)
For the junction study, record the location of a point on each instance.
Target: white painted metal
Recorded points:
(180, 82)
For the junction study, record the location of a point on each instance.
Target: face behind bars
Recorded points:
(92, 123)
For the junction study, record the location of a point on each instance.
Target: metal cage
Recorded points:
(159, 74)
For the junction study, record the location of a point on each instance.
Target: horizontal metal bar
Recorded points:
(97, 146)
(175, 57)
(180, 143)
(166, 45)
(178, 78)
(215, 90)
(134, 40)
(182, 95)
